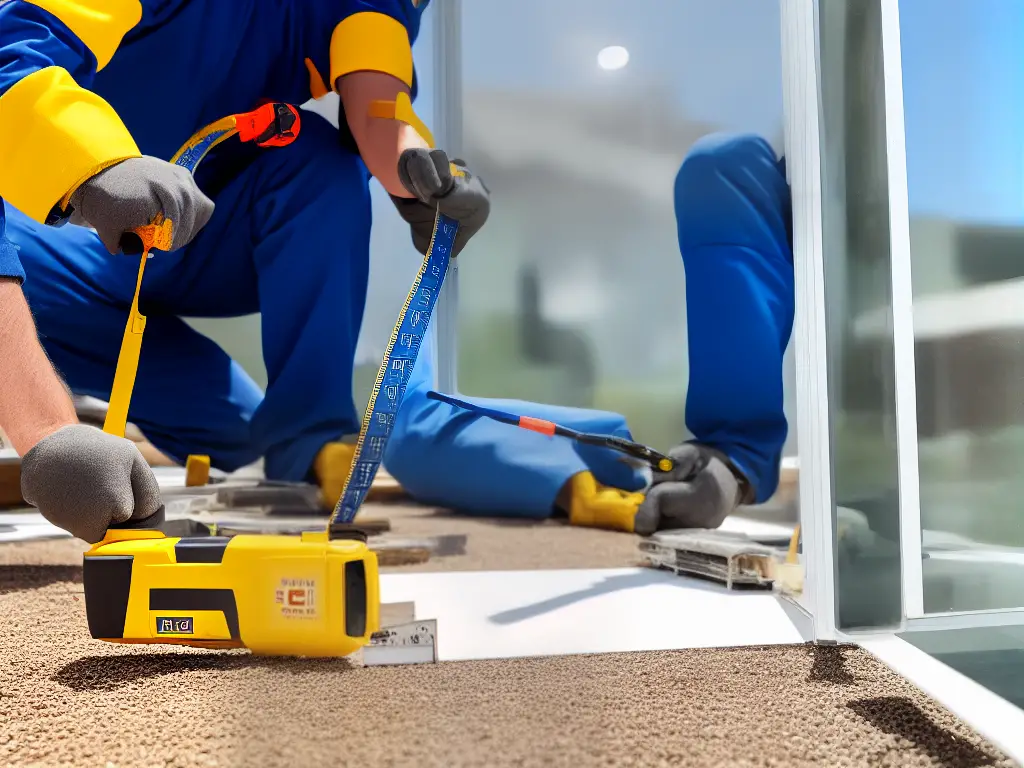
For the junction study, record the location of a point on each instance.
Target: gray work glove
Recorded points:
(428, 175)
(130, 194)
(85, 481)
(700, 492)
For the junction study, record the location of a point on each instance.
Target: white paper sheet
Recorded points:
(505, 614)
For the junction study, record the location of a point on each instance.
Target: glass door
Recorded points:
(922, 136)
(962, 104)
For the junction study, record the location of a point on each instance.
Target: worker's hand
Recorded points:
(85, 481)
(700, 492)
(440, 185)
(129, 195)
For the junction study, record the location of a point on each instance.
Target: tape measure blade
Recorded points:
(396, 369)
(411, 643)
(199, 145)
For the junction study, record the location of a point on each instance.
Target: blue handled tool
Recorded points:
(644, 453)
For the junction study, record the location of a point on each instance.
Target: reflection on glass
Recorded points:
(857, 264)
(577, 297)
(963, 88)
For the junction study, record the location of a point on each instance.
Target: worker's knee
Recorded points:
(721, 159)
(731, 188)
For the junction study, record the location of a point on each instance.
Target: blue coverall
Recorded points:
(733, 216)
(289, 237)
(10, 264)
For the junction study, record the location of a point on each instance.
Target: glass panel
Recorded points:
(855, 209)
(573, 293)
(963, 86)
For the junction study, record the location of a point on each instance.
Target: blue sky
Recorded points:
(963, 91)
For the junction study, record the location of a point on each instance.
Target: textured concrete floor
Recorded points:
(66, 700)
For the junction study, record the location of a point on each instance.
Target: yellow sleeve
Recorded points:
(370, 41)
(54, 132)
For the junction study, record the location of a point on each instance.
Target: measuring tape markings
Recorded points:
(191, 155)
(396, 369)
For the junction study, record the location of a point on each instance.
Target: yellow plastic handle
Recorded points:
(157, 235)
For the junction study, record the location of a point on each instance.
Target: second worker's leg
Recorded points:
(733, 215)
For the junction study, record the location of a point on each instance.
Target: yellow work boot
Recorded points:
(593, 505)
(332, 466)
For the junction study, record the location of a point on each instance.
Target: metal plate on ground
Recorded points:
(258, 521)
(732, 559)
(411, 643)
(28, 525)
(287, 498)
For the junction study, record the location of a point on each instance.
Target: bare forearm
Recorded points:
(381, 141)
(33, 400)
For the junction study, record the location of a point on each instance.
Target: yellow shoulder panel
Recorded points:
(100, 24)
(371, 42)
(54, 135)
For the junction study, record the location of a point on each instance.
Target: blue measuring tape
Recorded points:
(192, 154)
(395, 370)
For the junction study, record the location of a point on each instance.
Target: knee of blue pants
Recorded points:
(450, 458)
(734, 185)
(734, 220)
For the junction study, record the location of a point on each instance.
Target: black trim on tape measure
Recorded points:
(107, 582)
(346, 531)
(204, 549)
(151, 523)
(355, 598)
(222, 600)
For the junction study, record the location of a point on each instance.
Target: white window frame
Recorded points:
(902, 315)
(447, 24)
(802, 111)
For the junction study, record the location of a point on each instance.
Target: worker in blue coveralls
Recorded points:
(733, 216)
(95, 97)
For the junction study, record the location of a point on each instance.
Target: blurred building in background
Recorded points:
(574, 293)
